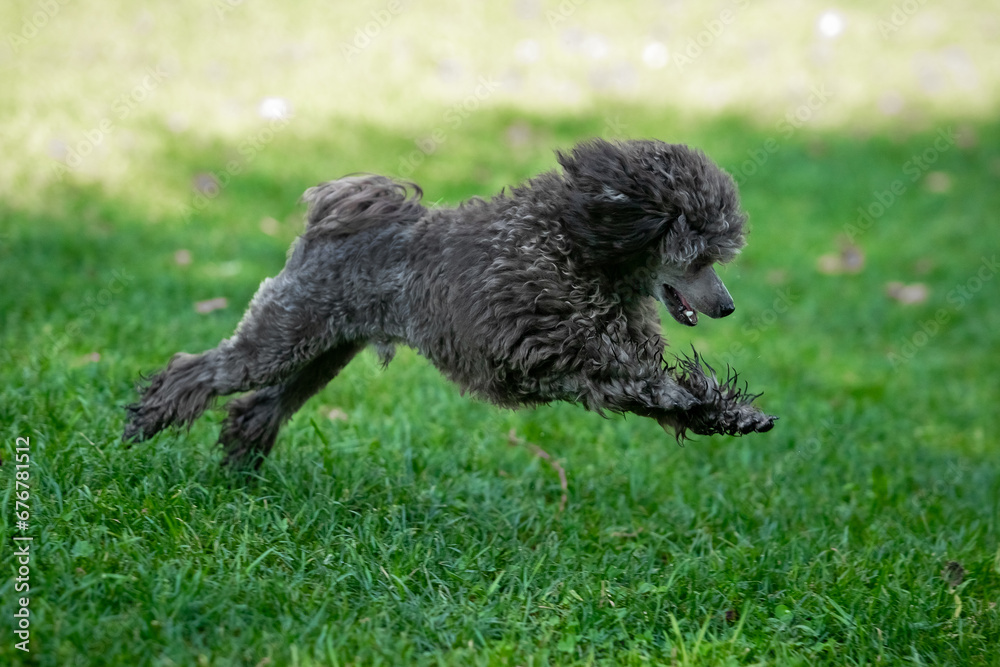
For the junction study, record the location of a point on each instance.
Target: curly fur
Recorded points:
(540, 294)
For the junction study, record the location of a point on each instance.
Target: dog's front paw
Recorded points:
(724, 407)
(739, 419)
(742, 419)
(758, 422)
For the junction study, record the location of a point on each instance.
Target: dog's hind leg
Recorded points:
(279, 335)
(176, 395)
(249, 431)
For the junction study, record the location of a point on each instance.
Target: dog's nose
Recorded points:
(727, 309)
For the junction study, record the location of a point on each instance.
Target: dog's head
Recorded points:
(657, 216)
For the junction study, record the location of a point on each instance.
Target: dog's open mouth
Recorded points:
(678, 306)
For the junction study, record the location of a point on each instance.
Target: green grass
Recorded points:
(414, 532)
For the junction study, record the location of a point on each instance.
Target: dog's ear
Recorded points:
(613, 233)
(595, 167)
(608, 218)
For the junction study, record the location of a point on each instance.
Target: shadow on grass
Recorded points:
(89, 273)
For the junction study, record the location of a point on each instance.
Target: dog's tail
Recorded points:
(354, 203)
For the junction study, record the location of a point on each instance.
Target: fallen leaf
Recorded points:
(938, 182)
(90, 358)
(828, 264)
(337, 415)
(209, 305)
(966, 137)
(907, 294)
(953, 573)
(269, 226)
(619, 533)
(850, 259)
(518, 135)
(206, 184)
(776, 277)
(817, 148)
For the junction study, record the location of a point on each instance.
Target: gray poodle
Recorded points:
(544, 293)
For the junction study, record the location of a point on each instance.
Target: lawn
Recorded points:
(399, 522)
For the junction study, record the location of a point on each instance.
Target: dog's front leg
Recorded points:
(680, 398)
(690, 400)
(724, 408)
(655, 395)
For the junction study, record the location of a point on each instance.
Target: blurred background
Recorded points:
(110, 93)
(155, 156)
(170, 144)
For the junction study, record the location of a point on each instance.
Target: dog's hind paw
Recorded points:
(141, 423)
